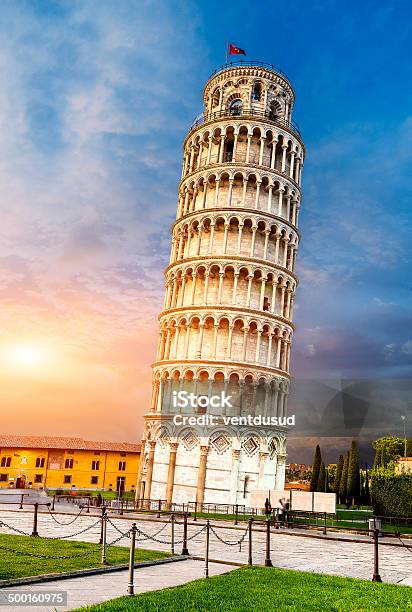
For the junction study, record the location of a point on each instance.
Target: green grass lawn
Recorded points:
(338, 522)
(14, 565)
(227, 517)
(265, 590)
(353, 514)
(397, 527)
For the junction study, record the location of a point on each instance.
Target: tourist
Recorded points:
(268, 508)
(282, 510)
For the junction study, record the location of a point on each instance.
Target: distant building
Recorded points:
(294, 467)
(67, 463)
(404, 464)
(297, 486)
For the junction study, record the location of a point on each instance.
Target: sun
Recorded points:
(37, 357)
(28, 355)
(24, 356)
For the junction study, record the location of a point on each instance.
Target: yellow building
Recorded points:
(70, 464)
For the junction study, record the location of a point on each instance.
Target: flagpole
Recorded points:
(227, 49)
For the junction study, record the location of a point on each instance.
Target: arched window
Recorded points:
(257, 92)
(235, 107)
(215, 97)
(274, 110)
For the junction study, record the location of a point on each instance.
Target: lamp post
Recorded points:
(403, 417)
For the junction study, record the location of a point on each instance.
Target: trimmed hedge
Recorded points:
(391, 493)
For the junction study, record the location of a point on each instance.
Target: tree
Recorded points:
(409, 448)
(353, 486)
(361, 487)
(343, 489)
(331, 473)
(393, 447)
(384, 456)
(378, 458)
(338, 475)
(327, 479)
(322, 477)
(317, 460)
(367, 494)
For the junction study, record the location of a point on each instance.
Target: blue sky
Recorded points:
(95, 102)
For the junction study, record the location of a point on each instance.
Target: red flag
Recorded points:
(233, 50)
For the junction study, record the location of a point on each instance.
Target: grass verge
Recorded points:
(15, 565)
(338, 522)
(266, 590)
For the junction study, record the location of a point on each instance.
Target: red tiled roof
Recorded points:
(12, 441)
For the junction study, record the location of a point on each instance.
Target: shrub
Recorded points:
(391, 493)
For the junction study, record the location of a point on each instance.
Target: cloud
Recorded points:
(355, 248)
(407, 348)
(95, 104)
(311, 350)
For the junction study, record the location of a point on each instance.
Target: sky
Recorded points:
(96, 98)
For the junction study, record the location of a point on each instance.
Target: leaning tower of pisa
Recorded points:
(230, 287)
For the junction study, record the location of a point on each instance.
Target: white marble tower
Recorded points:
(230, 287)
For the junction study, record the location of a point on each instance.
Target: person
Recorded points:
(286, 514)
(281, 511)
(268, 508)
(99, 500)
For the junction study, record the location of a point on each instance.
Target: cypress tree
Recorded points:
(339, 469)
(322, 477)
(353, 474)
(317, 460)
(367, 489)
(343, 488)
(326, 479)
(361, 488)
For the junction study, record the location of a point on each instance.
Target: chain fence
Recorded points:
(149, 536)
(65, 524)
(232, 543)
(137, 534)
(19, 531)
(408, 548)
(73, 535)
(92, 551)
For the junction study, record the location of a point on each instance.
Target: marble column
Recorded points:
(235, 475)
(149, 471)
(201, 477)
(171, 473)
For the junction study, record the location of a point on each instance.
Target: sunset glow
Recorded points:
(27, 356)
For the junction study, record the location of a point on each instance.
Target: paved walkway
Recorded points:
(289, 551)
(102, 587)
